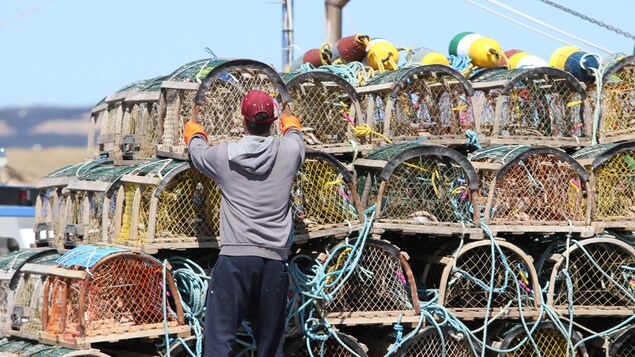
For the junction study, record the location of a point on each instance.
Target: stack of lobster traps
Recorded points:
(434, 214)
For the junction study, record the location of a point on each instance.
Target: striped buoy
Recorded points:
(575, 61)
(521, 59)
(483, 51)
(426, 56)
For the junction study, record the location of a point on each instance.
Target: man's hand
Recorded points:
(192, 129)
(288, 121)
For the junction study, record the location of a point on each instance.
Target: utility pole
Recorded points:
(334, 20)
(287, 33)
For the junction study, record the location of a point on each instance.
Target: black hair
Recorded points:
(258, 128)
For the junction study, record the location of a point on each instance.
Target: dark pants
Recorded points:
(246, 285)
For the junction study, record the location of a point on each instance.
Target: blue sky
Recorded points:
(74, 52)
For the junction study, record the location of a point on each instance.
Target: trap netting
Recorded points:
(466, 285)
(26, 311)
(323, 196)
(548, 339)
(532, 189)
(600, 275)
(166, 202)
(337, 344)
(381, 283)
(430, 342)
(15, 347)
(624, 344)
(613, 168)
(420, 188)
(49, 205)
(328, 108)
(215, 103)
(617, 101)
(539, 106)
(98, 293)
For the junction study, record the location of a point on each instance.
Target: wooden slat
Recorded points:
(54, 182)
(52, 270)
(97, 186)
(118, 96)
(142, 180)
(489, 85)
(375, 88)
(99, 108)
(180, 85)
(379, 164)
(143, 96)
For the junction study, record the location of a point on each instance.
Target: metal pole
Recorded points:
(287, 33)
(334, 19)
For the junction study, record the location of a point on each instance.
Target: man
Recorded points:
(255, 176)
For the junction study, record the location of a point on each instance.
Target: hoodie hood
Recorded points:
(255, 154)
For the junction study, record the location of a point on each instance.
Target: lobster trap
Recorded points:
(430, 342)
(166, 204)
(16, 347)
(612, 168)
(87, 206)
(429, 189)
(324, 199)
(537, 106)
(105, 294)
(28, 291)
(617, 98)
(533, 189)
(431, 102)
(624, 344)
(465, 280)
(337, 345)
(548, 339)
(379, 289)
(329, 110)
(595, 277)
(215, 103)
(48, 226)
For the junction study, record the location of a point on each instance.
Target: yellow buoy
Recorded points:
(426, 56)
(559, 56)
(485, 52)
(382, 54)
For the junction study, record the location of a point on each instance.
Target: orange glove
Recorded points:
(288, 121)
(192, 129)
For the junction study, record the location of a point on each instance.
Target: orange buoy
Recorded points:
(315, 56)
(350, 48)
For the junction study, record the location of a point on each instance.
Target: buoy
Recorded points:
(483, 51)
(520, 59)
(382, 53)
(508, 54)
(426, 56)
(350, 48)
(315, 56)
(575, 61)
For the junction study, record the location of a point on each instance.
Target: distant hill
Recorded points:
(44, 127)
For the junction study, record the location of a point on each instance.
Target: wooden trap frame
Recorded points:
(428, 342)
(465, 275)
(28, 291)
(380, 289)
(165, 204)
(215, 103)
(48, 226)
(533, 189)
(324, 199)
(15, 347)
(624, 344)
(537, 106)
(339, 345)
(428, 189)
(549, 340)
(109, 294)
(617, 95)
(612, 168)
(87, 205)
(329, 110)
(431, 102)
(607, 291)
(10, 265)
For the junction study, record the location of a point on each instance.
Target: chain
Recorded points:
(590, 19)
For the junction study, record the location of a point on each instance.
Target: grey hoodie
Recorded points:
(255, 176)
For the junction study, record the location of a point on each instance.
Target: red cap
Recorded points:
(256, 102)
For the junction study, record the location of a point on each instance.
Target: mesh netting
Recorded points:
(468, 283)
(320, 196)
(47, 213)
(29, 298)
(378, 284)
(618, 101)
(76, 169)
(542, 186)
(323, 102)
(591, 288)
(14, 260)
(330, 347)
(429, 343)
(27, 348)
(72, 215)
(626, 347)
(432, 104)
(548, 339)
(194, 71)
(123, 292)
(615, 187)
(5, 296)
(142, 121)
(538, 103)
